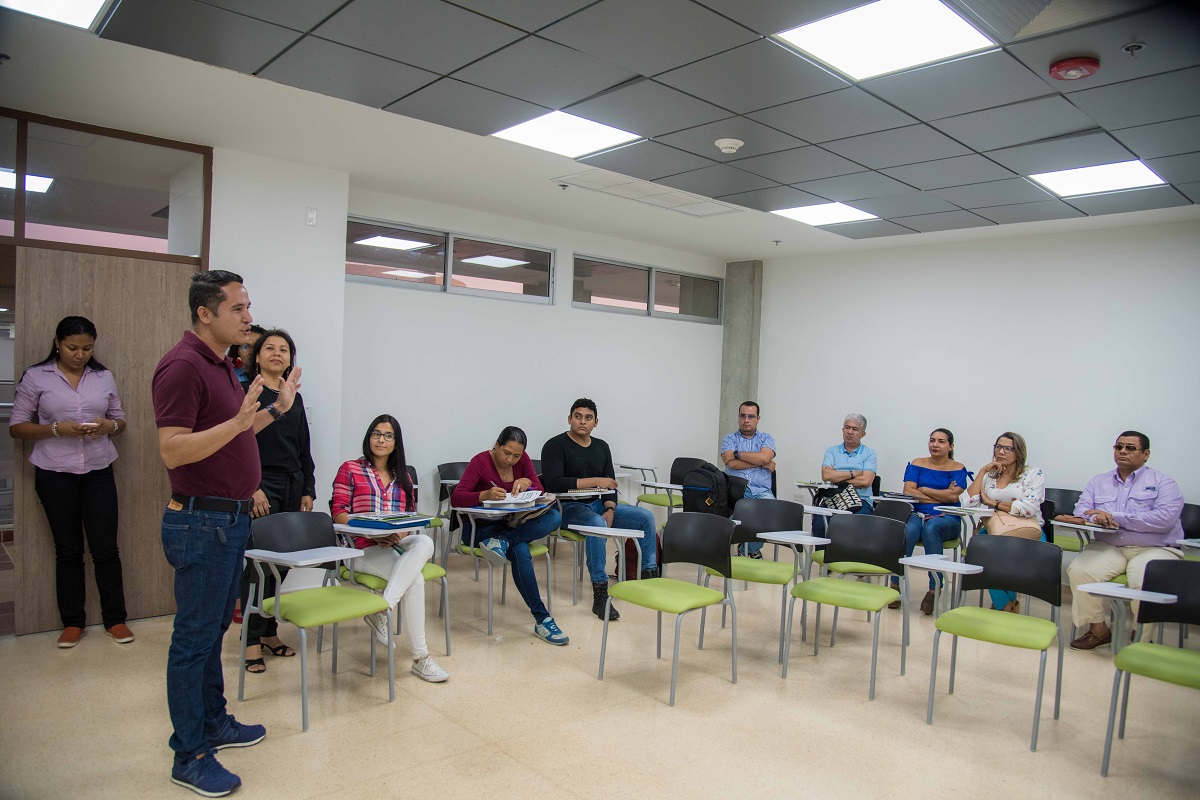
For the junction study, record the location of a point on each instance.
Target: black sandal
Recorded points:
(256, 662)
(282, 651)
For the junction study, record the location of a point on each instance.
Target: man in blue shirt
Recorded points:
(749, 453)
(850, 462)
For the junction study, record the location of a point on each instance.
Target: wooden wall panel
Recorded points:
(140, 311)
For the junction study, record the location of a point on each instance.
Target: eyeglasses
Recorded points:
(1002, 448)
(386, 437)
(747, 416)
(1128, 448)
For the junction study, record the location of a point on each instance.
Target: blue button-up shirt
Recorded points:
(861, 460)
(759, 478)
(1146, 507)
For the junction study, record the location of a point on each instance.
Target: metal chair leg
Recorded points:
(733, 627)
(1124, 706)
(1037, 706)
(953, 660)
(785, 645)
(874, 655)
(833, 634)
(937, 635)
(675, 657)
(1112, 714)
(658, 652)
(817, 630)
(304, 679)
(335, 646)
(489, 572)
(391, 647)
(444, 606)
(604, 640)
(782, 615)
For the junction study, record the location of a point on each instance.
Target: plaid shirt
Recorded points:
(357, 489)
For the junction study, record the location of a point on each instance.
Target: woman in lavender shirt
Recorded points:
(67, 405)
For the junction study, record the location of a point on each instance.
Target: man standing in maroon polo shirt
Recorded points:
(206, 427)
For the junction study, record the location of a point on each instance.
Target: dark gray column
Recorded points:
(740, 321)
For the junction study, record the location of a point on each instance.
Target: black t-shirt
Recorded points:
(284, 444)
(564, 462)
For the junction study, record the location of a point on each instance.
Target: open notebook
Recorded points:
(526, 498)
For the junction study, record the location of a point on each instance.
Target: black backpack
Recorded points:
(708, 490)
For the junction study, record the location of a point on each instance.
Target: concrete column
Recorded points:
(740, 321)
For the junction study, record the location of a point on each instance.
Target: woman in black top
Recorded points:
(288, 480)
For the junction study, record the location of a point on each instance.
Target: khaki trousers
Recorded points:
(1100, 562)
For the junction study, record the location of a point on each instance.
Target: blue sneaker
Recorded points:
(205, 775)
(548, 631)
(235, 734)
(495, 550)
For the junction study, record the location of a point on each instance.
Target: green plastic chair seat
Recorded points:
(998, 627)
(429, 571)
(432, 572)
(1069, 544)
(857, 568)
(758, 571)
(661, 499)
(1122, 579)
(436, 522)
(844, 593)
(535, 550)
(325, 605)
(665, 594)
(1161, 662)
(818, 557)
(572, 536)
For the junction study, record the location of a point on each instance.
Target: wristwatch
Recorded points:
(737, 454)
(274, 412)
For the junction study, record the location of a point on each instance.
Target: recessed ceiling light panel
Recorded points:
(406, 273)
(887, 36)
(494, 261)
(566, 134)
(824, 214)
(33, 183)
(393, 243)
(80, 13)
(1096, 180)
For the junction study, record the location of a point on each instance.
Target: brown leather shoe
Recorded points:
(1090, 641)
(927, 604)
(120, 633)
(895, 603)
(70, 637)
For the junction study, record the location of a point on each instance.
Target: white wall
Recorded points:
(1066, 339)
(456, 369)
(295, 273)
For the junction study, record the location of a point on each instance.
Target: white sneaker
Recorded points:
(427, 669)
(378, 623)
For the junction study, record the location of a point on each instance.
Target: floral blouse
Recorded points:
(1026, 494)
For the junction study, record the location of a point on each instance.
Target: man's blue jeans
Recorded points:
(754, 494)
(519, 539)
(633, 517)
(205, 548)
(932, 533)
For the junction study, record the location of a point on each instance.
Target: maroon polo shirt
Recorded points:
(194, 388)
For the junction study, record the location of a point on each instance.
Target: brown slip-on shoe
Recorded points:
(120, 633)
(927, 604)
(1090, 641)
(70, 637)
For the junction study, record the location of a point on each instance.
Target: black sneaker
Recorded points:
(235, 734)
(755, 554)
(204, 775)
(600, 600)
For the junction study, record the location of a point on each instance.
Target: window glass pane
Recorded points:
(613, 285)
(8, 178)
(501, 268)
(385, 251)
(686, 295)
(96, 190)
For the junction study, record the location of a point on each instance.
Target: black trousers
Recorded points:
(79, 505)
(283, 491)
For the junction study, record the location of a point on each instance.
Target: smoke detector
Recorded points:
(729, 146)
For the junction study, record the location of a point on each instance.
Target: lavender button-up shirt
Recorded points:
(1146, 507)
(44, 396)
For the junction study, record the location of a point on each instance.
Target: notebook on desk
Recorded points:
(381, 521)
(526, 498)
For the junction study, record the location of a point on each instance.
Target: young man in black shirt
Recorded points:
(577, 460)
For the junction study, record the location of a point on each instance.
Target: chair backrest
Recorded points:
(451, 471)
(1190, 519)
(893, 509)
(765, 515)
(537, 467)
(412, 477)
(875, 486)
(694, 538)
(289, 531)
(878, 541)
(1180, 578)
(682, 466)
(1062, 501)
(1013, 564)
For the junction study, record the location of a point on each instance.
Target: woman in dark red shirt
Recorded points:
(491, 475)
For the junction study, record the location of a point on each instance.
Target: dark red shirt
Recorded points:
(481, 474)
(195, 388)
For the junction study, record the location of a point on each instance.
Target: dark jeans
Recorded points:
(283, 491)
(591, 513)
(205, 548)
(931, 533)
(75, 505)
(518, 553)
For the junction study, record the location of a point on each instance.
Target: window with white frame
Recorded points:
(609, 286)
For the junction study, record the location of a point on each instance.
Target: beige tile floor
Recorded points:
(519, 718)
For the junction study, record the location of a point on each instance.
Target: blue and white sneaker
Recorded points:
(495, 550)
(204, 775)
(235, 734)
(548, 631)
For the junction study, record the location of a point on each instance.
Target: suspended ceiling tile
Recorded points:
(425, 33)
(529, 15)
(299, 15)
(647, 160)
(1170, 33)
(995, 193)
(844, 188)
(465, 107)
(773, 199)
(759, 139)
(1018, 123)
(776, 16)
(867, 229)
(199, 32)
(647, 109)
(648, 36)
(543, 72)
(1177, 169)
(903, 205)
(1132, 200)
(1029, 212)
(1162, 138)
(945, 221)
(836, 115)
(1190, 190)
(949, 172)
(898, 146)
(1067, 152)
(1158, 98)
(340, 71)
(753, 76)
(717, 181)
(1003, 20)
(801, 164)
(956, 87)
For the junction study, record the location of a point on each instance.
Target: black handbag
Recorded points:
(842, 497)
